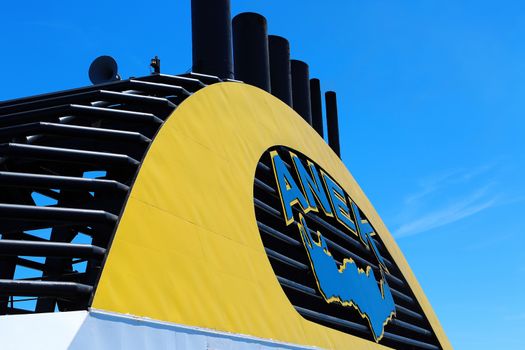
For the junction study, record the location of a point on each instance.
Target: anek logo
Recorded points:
(315, 193)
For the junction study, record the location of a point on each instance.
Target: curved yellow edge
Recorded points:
(187, 249)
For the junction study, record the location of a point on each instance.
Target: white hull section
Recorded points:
(102, 330)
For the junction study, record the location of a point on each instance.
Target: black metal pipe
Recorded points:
(250, 50)
(43, 288)
(301, 89)
(317, 109)
(13, 179)
(49, 249)
(55, 154)
(211, 37)
(30, 213)
(280, 70)
(332, 121)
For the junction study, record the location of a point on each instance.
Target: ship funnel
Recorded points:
(103, 69)
(317, 109)
(301, 90)
(211, 38)
(280, 71)
(250, 50)
(332, 121)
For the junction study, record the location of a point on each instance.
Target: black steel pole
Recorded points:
(280, 70)
(211, 38)
(250, 50)
(317, 109)
(332, 121)
(301, 90)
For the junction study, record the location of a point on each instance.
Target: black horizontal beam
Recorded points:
(402, 296)
(55, 154)
(297, 286)
(265, 207)
(409, 341)
(49, 249)
(188, 83)
(277, 234)
(43, 288)
(261, 184)
(29, 213)
(408, 312)
(158, 88)
(33, 181)
(332, 320)
(89, 97)
(263, 166)
(52, 114)
(285, 260)
(47, 128)
(411, 327)
(205, 78)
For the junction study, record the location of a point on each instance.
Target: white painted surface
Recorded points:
(102, 330)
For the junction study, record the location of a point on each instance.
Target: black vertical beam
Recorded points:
(55, 268)
(280, 70)
(211, 37)
(250, 49)
(301, 90)
(332, 121)
(317, 109)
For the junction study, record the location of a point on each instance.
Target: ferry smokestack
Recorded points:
(317, 109)
(280, 71)
(332, 121)
(211, 38)
(301, 90)
(250, 50)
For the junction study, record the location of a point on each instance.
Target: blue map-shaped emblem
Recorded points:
(306, 190)
(347, 284)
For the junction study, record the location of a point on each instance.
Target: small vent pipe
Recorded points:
(211, 38)
(332, 121)
(280, 70)
(317, 109)
(251, 60)
(301, 90)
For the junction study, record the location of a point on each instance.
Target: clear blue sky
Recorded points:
(432, 108)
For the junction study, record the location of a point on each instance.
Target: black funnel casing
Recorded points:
(211, 38)
(250, 49)
(332, 121)
(301, 89)
(316, 104)
(280, 70)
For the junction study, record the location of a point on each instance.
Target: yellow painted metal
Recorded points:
(188, 250)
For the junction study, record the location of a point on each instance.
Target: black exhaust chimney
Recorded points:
(301, 90)
(332, 122)
(250, 50)
(317, 109)
(211, 38)
(280, 71)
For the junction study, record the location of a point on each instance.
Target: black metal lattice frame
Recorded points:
(47, 144)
